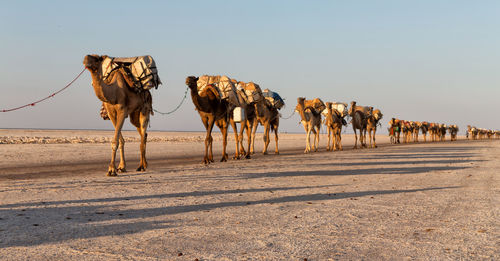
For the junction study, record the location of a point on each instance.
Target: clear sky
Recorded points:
(431, 60)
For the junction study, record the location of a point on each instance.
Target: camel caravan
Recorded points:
(474, 133)
(364, 119)
(225, 101)
(412, 129)
(123, 86)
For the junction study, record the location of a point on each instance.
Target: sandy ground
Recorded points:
(437, 201)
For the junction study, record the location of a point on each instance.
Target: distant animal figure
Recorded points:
(359, 118)
(310, 116)
(372, 121)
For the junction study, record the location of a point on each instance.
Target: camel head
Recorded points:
(92, 61)
(191, 82)
(300, 104)
(377, 115)
(327, 109)
(351, 109)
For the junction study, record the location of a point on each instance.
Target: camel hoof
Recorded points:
(141, 168)
(247, 156)
(264, 153)
(277, 152)
(236, 157)
(224, 159)
(122, 170)
(112, 174)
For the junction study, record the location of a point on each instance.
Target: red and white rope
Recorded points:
(41, 100)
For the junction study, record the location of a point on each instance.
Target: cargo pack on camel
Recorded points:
(141, 69)
(251, 92)
(224, 86)
(274, 98)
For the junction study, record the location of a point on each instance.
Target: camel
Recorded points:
(442, 132)
(213, 110)
(121, 100)
(395, 130)
(359, 117)
(453, 129)
(333, 121)
(269, 117)
(311, 120)
(371, 126)
(259, 111)
(424, 127)
(407, 129)
(416, 129)
(433, 131)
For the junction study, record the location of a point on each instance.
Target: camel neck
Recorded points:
(301, 112)
(102, 93)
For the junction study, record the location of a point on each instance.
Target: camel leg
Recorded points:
(328, 128)
(308, 142)
(254, 130)
(374, 141)
(223, 130)
(144, 121)
(276, 151)
(370, 138)
(240, 137)
(122, 166)
(339, 135)
(209, 125)
(117, 120)
(249, 128)
(267, 128)
(355, 138)
(316, 139)
(236, 138)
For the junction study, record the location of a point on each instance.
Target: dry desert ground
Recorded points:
(437, 201)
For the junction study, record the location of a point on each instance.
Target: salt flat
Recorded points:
(417, 201)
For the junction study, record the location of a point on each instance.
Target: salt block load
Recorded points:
(251, 92)
(226, 90)
(141, 69)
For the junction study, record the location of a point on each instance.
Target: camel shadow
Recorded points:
(353, 172)
(59, 224)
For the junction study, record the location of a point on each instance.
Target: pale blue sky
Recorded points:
(417, 60)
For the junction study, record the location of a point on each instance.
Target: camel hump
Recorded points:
(141, 69)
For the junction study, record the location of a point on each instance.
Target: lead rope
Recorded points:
(50, 96)
(286, 118)
(176, 108)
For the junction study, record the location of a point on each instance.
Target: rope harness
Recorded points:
(286, 118)
(50, 96)
(176, 108)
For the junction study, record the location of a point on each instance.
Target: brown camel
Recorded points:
(213, 110)
(333, 122)
(371, 126)
(395, 130)
(259, 110)
(268, 116)
(453, 130)
(359, 117)
(424, 127)
(416, 130)
(311, 120)
(120, 101)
